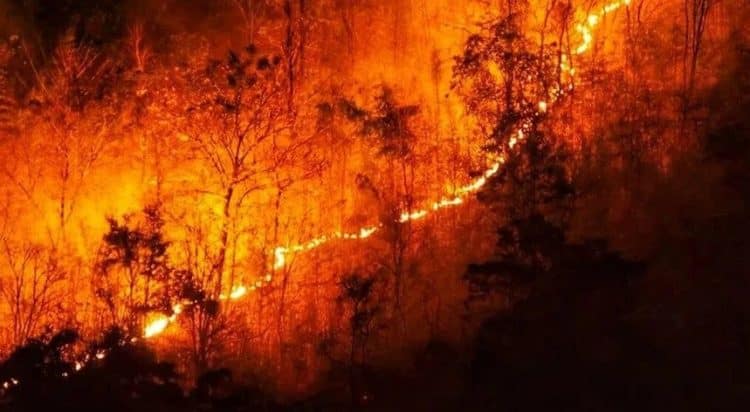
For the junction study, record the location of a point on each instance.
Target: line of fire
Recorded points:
(377, 205)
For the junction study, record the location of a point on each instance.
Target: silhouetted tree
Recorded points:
(133, 269)
(502, 78)
(358, 293)
(112, 374)
(389, 123)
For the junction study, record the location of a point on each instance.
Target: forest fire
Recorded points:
(374, 205)
(157, 326)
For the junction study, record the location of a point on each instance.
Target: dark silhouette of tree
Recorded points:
(216, 389)
(129, 374)
(388, 123)
(111, 374)
(567, 343)
(502, 78)
(526, 249)
(135, 276)
(135, 252)
(39, 362)
(358, 293)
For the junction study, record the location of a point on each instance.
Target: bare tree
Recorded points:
(8, 106)
(358, 294)
(139, 50)
(240, 108)
(71, 121)
(29, 287)
(237, 132)
(695, 14)
(251, 12)
(206, 324)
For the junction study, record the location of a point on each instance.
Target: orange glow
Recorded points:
(281, 253)
(352, 214)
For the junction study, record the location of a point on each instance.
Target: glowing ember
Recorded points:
(279, 255)
(238, 292)
(154, 328)
(445, 203)
(366, 232)
(416, 215)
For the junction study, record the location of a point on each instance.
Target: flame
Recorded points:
(416, 215)
(592, 20)
(446, 203)
(238, 292)
(279, 257)
(158, 325)
(366, 232)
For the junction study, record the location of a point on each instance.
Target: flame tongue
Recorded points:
(156, 327)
